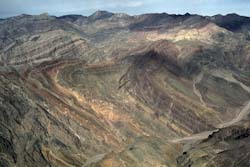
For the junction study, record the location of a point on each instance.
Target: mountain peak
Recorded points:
(232, 14)
(187, 14)
(100, 14)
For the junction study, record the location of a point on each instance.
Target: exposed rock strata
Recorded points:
(118, 90)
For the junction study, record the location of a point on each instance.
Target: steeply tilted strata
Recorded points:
(118, 90)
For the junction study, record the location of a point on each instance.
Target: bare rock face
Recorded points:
(118, 90)
(44, 47)
(226, 147)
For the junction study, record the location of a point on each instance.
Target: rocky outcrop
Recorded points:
(227, 147)
(42, 47)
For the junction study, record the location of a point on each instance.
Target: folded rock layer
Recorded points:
(118, 90)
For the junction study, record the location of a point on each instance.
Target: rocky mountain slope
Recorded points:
(112, 90)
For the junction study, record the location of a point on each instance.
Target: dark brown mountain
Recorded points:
(232, 22)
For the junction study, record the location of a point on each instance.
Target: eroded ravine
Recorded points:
(196, 91)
